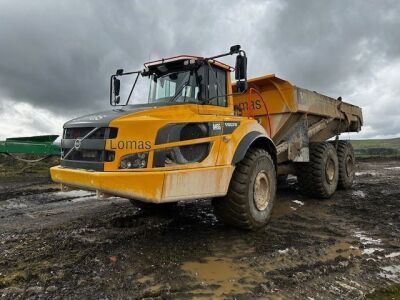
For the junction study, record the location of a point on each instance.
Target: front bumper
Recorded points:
(152, 186)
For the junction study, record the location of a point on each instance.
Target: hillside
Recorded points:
(377, 147)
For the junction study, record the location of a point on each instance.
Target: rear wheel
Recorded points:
(251, 193)
(346, 159)
(319, 177)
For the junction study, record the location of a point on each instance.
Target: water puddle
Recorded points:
(281, 209)
(368, 173)
(340, 249)
(227, 276)
(393, 254)
(220, 275)
(391, 272)
(369, 243)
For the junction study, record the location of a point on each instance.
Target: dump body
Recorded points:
(294, 116)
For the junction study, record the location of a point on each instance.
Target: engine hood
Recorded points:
(103, 119)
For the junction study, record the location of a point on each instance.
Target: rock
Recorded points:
(51, 289)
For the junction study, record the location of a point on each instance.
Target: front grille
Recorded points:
(101, 133)
(91, 153)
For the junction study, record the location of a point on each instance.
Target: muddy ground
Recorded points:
(70, 245)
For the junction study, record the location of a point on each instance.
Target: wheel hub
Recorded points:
(261, 191)
(330, 170)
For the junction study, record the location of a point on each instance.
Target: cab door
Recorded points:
(217, 88)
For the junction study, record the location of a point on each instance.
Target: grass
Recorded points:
(390, 293)
(377, 148)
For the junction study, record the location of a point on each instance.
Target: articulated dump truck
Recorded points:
(200, 135)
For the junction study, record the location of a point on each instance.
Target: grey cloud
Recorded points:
(58, 55)
(326, 44)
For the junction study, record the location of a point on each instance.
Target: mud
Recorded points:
(71, 245)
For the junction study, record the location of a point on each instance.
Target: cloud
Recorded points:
(56, 57)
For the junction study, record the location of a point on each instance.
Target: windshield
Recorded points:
(171, 84)
(180, 87)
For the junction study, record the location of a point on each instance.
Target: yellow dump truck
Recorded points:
(200, 135)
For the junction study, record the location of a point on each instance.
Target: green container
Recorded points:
(42, 145)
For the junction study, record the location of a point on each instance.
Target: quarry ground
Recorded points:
(71, 245)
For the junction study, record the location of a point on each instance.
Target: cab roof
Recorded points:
(187, 57)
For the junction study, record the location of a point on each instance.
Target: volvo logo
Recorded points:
(77, 144)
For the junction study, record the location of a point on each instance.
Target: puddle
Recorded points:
(369, 173)
(369, 251)
(221, 276)
(393, 254)
(365, 240)
(340, 249)
(281, 209)
(392, 168)
(368, 242)
(391, 272)
(227, 276)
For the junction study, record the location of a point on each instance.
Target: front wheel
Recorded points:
(251, 193)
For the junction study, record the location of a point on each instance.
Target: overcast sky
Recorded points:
(56, 56)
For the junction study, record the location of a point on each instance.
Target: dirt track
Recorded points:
(57, 245)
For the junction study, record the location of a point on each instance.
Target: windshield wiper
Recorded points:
(181, 89)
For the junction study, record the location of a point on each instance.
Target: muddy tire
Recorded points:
(251, 192)
(346, 159)
(319, 177)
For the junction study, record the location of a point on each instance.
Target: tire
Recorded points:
(251, 194)
(319, 177)
(346, 159)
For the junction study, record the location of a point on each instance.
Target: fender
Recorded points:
(248, 140)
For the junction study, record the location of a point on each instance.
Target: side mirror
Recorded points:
(241, 73)
(241, 67)
(234, 49)
(241, 86)
(116, 89)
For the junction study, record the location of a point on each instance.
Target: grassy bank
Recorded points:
(377, 148)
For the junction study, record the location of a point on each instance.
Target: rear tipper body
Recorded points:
(297, 116)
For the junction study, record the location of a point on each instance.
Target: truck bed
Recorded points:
(297, 116)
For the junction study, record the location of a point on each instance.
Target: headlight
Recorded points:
(134, 161)
(181, 155)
